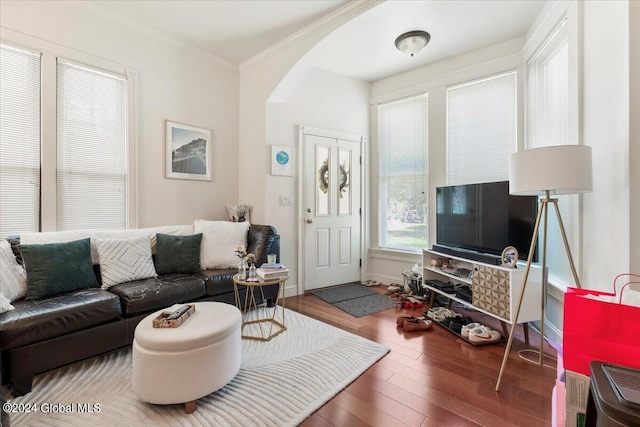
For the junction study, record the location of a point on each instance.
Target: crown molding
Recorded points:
(352, 8)
(143, 29)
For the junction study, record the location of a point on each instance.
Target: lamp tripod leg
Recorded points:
(543, 302)
(534, 240)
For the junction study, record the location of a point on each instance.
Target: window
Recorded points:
(91, 148)
(481, 129)
(403, 135)
(67, 140)
(19, 141)
(548, 124)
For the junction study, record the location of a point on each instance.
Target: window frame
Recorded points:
(573, 221)
(382, 193)
(48, 104)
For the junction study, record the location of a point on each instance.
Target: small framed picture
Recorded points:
(510, 257)
(188, 152)
(281, 160)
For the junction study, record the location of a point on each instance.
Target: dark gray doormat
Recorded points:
(355, 299)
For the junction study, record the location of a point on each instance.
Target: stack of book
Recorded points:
(272, 271)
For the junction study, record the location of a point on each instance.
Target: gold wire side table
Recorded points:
(262, 323)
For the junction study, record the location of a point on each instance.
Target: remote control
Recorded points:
(179, 312)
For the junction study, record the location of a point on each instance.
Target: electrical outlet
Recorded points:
(286, 200)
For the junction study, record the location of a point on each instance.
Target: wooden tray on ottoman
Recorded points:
(167, 320)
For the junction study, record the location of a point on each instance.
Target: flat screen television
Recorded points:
(485, 218)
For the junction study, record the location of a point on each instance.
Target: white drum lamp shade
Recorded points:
(559, 169)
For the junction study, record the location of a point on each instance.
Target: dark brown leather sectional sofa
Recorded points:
(39, 335)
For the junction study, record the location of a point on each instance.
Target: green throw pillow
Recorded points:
(177, 254)
(56, 268)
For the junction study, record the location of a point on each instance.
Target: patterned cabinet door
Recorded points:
(491, 290)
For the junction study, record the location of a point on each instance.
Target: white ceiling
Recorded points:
(237, 30)
(367, 51)
(232, 30)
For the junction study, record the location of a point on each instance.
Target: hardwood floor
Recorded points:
(433, 378)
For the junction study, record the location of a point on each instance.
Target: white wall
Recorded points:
(273, 74)
(634, 136)
(606, 225)
(174, 82)
(323, 100)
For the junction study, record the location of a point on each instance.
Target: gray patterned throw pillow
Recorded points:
(125, 260)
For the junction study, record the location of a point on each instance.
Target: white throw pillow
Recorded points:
(5, 304)
(13, 278)
(125, 260)
(219, 241)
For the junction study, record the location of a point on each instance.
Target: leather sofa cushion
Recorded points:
(159, 292)
(38, 320)
(218, 282)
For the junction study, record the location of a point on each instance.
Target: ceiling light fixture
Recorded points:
(412, 42)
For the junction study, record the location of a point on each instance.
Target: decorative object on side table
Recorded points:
(246, 261)
(187, 152)
(272, 271)
(557, 170)
(271, 259)
(510, 257)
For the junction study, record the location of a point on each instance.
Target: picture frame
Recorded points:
(509, 257)
(281, 160)
(187, 152)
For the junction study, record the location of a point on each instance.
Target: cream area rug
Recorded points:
(281, 382)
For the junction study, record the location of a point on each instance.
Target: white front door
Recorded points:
(332, 212)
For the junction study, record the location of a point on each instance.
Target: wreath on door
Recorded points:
(323, 178)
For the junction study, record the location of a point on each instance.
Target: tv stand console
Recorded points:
(495, 289)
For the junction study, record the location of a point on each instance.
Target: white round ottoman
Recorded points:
(183, 364)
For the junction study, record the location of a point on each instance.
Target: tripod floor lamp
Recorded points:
(546, 171)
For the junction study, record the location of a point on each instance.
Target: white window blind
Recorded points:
(91, 148)
(481, 129)
(19, 141)
(547, 124)
(403, 135)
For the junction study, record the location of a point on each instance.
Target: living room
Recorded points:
(259, 102)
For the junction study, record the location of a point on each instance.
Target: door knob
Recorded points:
(309, 221)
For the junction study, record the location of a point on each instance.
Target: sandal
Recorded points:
(417, 325)
(402, 319)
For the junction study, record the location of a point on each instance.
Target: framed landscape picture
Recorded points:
(188, 152)
(281, 160)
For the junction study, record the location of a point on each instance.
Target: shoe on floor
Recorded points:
(401, 319)
(439, 314)
(416, 325)
(369, 283)
(394, 287)
(456, 324)
(466, 328)
(483, 335)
